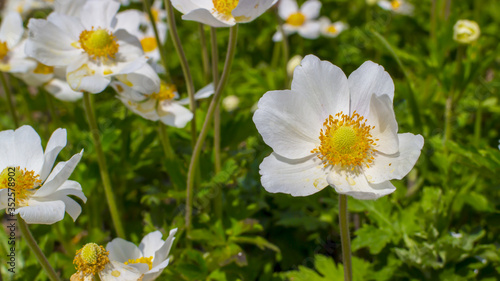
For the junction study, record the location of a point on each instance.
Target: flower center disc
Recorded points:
(346, 141)
(148, 261)
(23, 183)
(43, 69)
(225, 7)
(91, 259)
(395, 4)
(98, 43)
(167, 92)
(149, 44)
(4, 50)
(331, 29)
(296, 19)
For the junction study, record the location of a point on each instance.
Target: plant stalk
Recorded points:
(345, 238)
(10, 100)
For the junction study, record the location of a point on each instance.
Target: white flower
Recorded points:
(150, 258)
(397, 6)
(330, 29)
(230, 103)
(25, 7)
(466, 31)
(331, 130)
(301, 21)
(92, 260)
(162, 105)
(41, 193)
(222, 13)
(91, 48)
(292, 64)
(12, 56)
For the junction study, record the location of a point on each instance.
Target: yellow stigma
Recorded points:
(22, 182)
(149, 44)
(346, 141)
(148, 261)
(4, 50)
(98, 43)
(91, 259)
(331, 29)
(395, 4)
(43, 69)
(296, 19)
(167, 92)
(225, 7)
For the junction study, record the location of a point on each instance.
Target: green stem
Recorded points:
(449, 101)
(103, 168)
(233, 33)
(10, 100)
(344, 237)
(286, 51)
(165, 141)
(36, 249)
(184, 64)
(52, 108)
(217, 201)
(204, 52)
(477, 124)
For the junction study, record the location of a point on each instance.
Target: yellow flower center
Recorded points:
(225, 7)
(149, 44)
(148, 261)
(156, 14)
(43, 69)
(331, 29)
(296, 19)
(4, 50)
(98, 43)
(346, 141)
(91, 259)
(22, 182)
(167, 92)
(395, 4)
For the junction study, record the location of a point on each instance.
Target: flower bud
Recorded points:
(466, 31)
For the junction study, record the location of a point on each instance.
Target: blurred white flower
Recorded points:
(41, 193)
(230, 103)
(466, 31)
(12, 56)
(330, 29)
(92, 260)
(397, 6)
(299, 20)
(331, 130)
(222, 13)
(292, 64)
(150, 258)
(91, 48)
(162, 105)
(25, 7)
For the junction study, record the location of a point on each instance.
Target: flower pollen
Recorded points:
(296, 19)
(23, 183)
(148, 261)
(4, 49)
(395, 4)
(167, 92)
(99, 43)
(43, 69)
(149, 44)
(346, 141)
(91, 259)
(225, 7)
(331, 29)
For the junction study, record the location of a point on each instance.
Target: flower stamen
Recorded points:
(296, 19)
(225, 7)
(23, 182)
(43, 69)
(99, 43)
(91, 259)
(149, 44)
(167, 92)
(148, 261)
(4, 49)
(395, 4)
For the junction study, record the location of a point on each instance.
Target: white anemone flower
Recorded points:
(162, 105)
(222, 13)
(397, 6)
(333, 130)
(41, 193)
(466, 31)
(150, 258)
(92, 260)
(329, 29)
(91, 48)
(298, 20)
(12, 56)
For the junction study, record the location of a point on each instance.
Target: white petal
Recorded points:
(68, 7)
(203, 93)
(59, 175)
(11, 30)
(69, 25)
(288, 123)
(300, 177)
(278, 36)
(38, 212)
(155, 271)
(122, 250)
(83, 79)
(248, 10)
(370, 78)
(185, 6)
(99, 13)
(151, 243)
(396, 166)
(357, 186)
(311, 9)
(56, 143)
(115, 271)
(204, 16)
(130, 47)
(62, 91)
(144, 80)
(310, 30)
(175, 114)
(286, 8)
(386, 127)
(386, 5)
(21, 148)
(162, 253)
(130, 20)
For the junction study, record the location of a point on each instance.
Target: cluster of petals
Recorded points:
(83, 38)
(42, 192)
(222, 13)
(292, 123)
